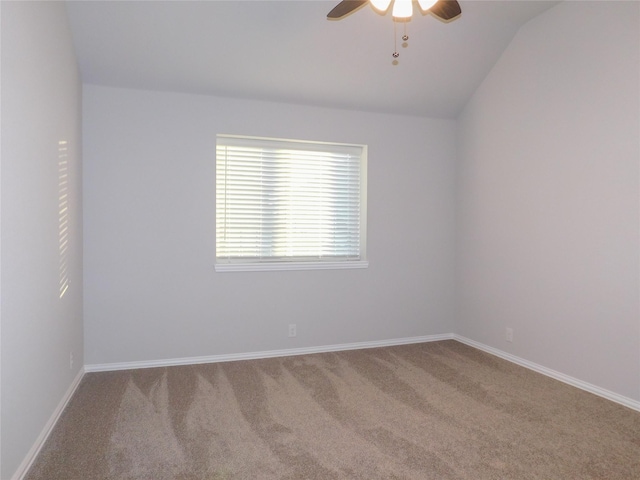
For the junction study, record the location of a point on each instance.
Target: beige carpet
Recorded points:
(438, 410)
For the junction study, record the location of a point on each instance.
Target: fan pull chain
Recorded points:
(405, 37)
(395, 53)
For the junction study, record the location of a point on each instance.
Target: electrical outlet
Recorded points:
(70, 360)
(508, 334)
(292, 329)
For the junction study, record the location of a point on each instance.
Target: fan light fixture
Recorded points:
(402, 11)
(401, 8)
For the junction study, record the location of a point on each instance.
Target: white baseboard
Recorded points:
(601, 392)
(46, 431)
(109, 367)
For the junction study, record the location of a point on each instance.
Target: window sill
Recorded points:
(279, 266)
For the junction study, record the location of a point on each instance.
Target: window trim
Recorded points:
(313, 263)
(292, 266)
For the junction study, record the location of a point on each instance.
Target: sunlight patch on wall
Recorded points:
(63, 214)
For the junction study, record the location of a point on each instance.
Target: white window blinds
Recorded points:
(288, 201)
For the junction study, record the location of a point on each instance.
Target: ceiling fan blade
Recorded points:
(344, 8)
(446, 9)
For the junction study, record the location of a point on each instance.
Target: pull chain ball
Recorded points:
(405, 37)
(395, 54)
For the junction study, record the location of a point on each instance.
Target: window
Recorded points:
(285, 204)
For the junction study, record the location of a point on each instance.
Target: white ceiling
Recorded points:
(288, 51)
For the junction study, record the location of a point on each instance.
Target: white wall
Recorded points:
(548, 197)
(40, 107)
(151, 292)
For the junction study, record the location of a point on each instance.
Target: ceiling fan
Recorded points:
(445, 10)
(402, 11)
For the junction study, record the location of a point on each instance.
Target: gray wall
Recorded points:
(151, 292)
(40, 107)
(548, 197)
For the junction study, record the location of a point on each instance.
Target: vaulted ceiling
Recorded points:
(288, 51)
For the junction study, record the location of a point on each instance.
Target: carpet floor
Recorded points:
(440, 410)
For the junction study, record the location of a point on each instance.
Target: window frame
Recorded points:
(239, 264)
